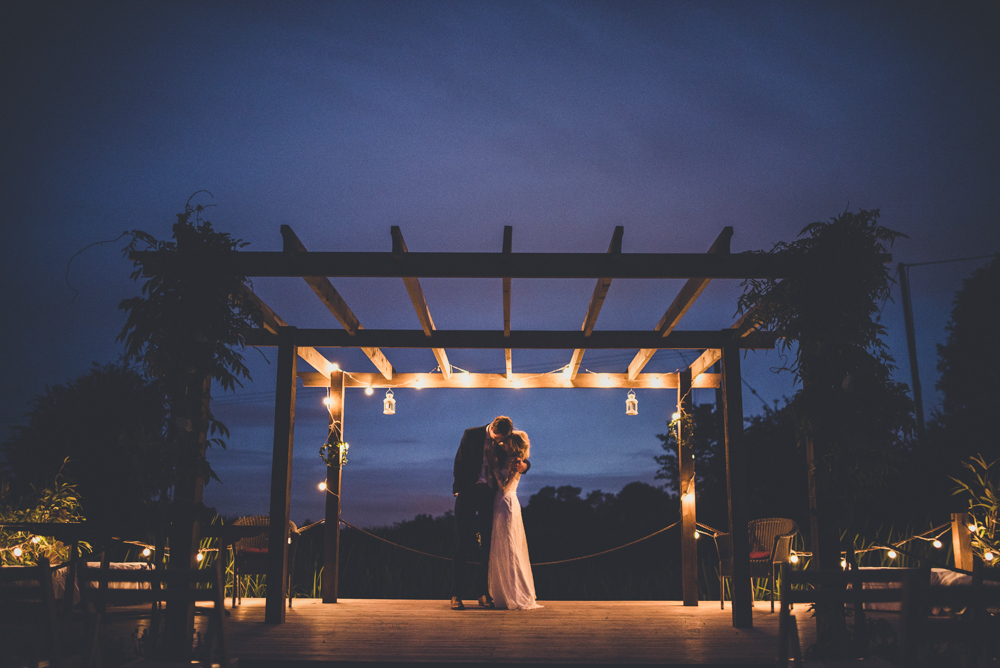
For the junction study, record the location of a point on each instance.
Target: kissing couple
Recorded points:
(488, 466)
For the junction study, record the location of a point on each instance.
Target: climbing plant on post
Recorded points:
(851, 416)
(187, 328)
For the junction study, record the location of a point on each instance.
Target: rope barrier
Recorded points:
(541, 563)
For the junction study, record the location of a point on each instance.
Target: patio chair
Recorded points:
(111, 594)
(770, 545)
(250, 554)
(29, 625)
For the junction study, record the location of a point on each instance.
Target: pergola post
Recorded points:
(281, 477)
(331, 528)
(732, 402)
(685, 467)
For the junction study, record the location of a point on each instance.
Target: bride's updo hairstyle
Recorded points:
(519, 444)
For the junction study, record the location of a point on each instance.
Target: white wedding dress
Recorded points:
(510, 582)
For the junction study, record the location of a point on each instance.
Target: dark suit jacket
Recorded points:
(469, 459)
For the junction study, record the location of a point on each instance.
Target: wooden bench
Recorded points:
(113, 594)
(28, 616)
(970, 623)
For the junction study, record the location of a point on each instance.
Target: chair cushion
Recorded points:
(760, 555)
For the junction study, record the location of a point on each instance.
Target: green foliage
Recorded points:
(832, 304)
(849, 407)
(982, 492)
(969, 363)
(59, 501)
(107, 429)
(189, 324)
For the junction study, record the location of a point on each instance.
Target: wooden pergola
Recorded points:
(316, 268)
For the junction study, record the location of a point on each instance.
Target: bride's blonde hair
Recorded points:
(518, 444)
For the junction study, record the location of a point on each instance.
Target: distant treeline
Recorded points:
(559, 523)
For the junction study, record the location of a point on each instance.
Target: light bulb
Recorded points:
(988, 556)
(794, 558)
(972, 528)
(328, 401)
(335, 366)
(937, 544)
(891, 554)
(369, 391)
(675, 417)
(322, 486)
(146, 552)
(17, 551)
(200, 556)
(35, 540)
(697, 535)
(843, 563)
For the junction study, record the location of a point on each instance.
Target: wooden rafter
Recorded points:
(742, 328)
(524, 339)
(328, 294)
(309, 354)
(508, 233)
(596, 302)
(494, 265)
(419, 303)
(461, 380)
(682, 302)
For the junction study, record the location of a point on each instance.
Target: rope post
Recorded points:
(331, 528)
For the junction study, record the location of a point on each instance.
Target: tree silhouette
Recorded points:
(108, 425)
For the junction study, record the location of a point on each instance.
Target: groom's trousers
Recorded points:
(473, 515)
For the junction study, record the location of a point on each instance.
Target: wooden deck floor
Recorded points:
(563, 632)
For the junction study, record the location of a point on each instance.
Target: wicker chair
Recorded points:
(770, 545)
(250, 554)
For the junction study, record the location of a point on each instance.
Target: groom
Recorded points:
(474, 489)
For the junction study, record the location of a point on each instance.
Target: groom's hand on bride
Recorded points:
(520, 465)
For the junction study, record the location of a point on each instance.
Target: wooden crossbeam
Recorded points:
(746, 324)
(328, 294)
(596, 302)
(459, 380)
(272, 321)
(682, 302)
(524, 339)
(493, 265)
(508, 233)
(399, 251)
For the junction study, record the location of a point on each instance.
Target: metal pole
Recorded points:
(918, 402)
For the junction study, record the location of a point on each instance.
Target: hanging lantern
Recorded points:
(631, 404)
(389, 404)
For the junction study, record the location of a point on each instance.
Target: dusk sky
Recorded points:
(452, 120)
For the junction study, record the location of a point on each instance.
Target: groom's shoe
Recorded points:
(456, 603)
(486, 602)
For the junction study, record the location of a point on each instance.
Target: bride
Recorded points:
(510, 582)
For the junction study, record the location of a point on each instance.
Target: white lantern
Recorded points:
(389, 404)
(631, 404)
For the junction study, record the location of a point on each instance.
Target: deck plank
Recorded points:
(569, 632)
